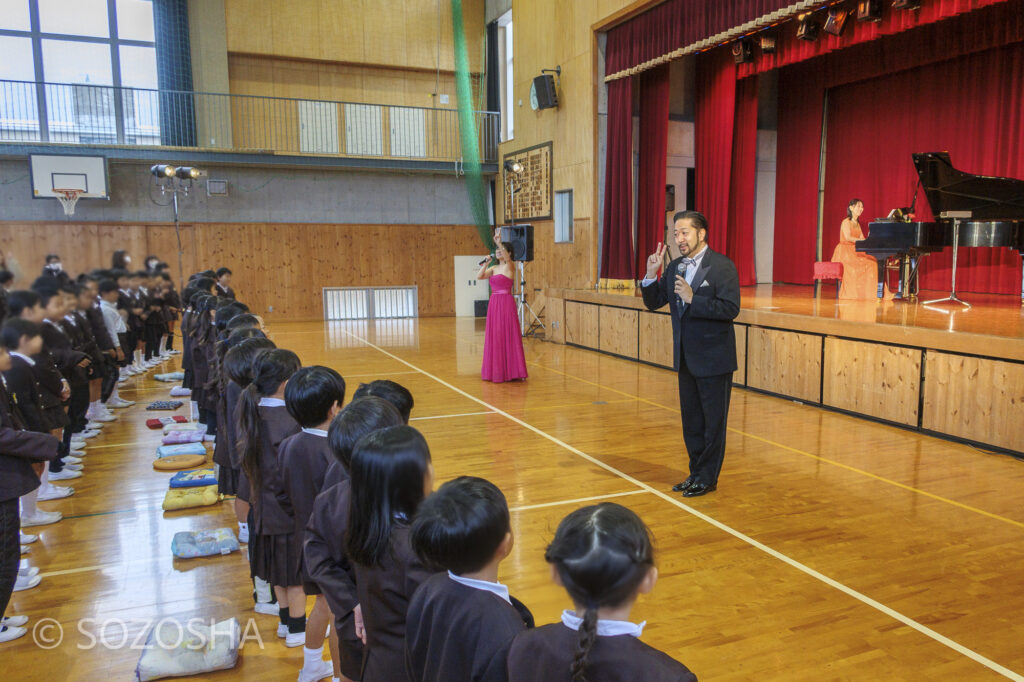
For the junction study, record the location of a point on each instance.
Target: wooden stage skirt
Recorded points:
(945, 370)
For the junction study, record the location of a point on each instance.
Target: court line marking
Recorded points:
(382, 375)
(820, 458)
(803, 568)
(578, 500)
(450, 416)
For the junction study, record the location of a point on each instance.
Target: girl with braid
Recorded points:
(602, 556)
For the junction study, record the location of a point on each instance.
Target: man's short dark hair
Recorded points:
(461, 526)
(696, 217)
(222, 271)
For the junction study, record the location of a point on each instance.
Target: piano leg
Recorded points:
(953, 298)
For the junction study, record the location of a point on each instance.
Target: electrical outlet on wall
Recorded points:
(444, 99)
(270, 308)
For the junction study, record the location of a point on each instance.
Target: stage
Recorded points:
(943, 369)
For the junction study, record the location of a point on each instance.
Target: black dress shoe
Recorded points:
(698, 489)
(685, 485)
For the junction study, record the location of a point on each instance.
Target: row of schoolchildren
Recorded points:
(338, 503)
(65, 348)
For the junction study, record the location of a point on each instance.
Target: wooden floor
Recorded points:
(834, 548)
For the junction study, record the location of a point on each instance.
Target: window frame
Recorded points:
(506, 55)
(568, 229)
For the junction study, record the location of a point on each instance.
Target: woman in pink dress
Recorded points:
(503, 339)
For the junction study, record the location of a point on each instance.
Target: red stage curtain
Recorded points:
(675, 24)
(801, 98)
(713, 129)
(972, 107)
(650, 220)
(790, 50)
(743, 182)
(617, 243)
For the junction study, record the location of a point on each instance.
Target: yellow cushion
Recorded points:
(185, 498)
(175, 462)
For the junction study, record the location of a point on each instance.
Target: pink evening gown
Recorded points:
(503, 340)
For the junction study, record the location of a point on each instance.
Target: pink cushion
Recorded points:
(828, 270)
(180, 437)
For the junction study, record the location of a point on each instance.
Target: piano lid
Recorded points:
(948, 189)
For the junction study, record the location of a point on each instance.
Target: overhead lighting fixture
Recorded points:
(836, 21)
(808, 28)
(869, 10)
(743, 51)
(162, 170)
(513, 167)
(187, 173)
(906, 4)
(767, 41)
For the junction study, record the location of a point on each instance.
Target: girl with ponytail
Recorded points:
(602, 556)
(263, 422)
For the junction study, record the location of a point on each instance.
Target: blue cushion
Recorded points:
(183, 449)
(194, 478)
(189, 544)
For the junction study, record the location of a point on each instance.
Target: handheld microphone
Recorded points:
(486, 260)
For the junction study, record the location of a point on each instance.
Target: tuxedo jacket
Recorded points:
(702, 331)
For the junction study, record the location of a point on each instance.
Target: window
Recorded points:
(14, 15)
(74, 17)
(563, 217)
(505, 53)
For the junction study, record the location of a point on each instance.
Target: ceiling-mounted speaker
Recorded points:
(543, 93)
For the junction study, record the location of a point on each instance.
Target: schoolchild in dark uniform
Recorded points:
(89, 309)
(461, 622)
(154, 325)
(53, 387)
(224, 451)
(171, 310)
(263, 422)
(602, 556)
(136, 321)
(324, 558)
(77, 326)
(224, 284)
(19, 449)
(203, 336)
(390, 474)
(314, 395)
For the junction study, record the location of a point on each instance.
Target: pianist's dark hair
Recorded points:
(696, 217)
(849, 207)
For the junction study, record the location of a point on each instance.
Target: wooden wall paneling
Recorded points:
(81, 246)
(295, 27)
(582, 324)
(786, 363)
(618, 333)
(872, 379)
(740, 377)
(974, 398)
(248, 27)
(341, 38)
(555, 320)
(656, 344)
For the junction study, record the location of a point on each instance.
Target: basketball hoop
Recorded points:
(68, 198)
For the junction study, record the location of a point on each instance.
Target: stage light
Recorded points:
(513, 167)
(187, 173)
(767, 41)
(808, 28)
(906, 4)
(869, 10)
(162, 170)
(743, 51)
(836, 21)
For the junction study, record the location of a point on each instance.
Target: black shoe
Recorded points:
(685, 485)
(698, 489)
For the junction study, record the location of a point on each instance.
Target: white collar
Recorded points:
(315, 432)
(485, 585)
(605, 628)
(53, 324)
(125, 292)
(30, 361)
(70, 317)
(271, 402)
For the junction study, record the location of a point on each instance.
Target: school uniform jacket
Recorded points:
(49, 379)
(457, 632)
(304, 459)
(98, 326)
(57, 342)
(269, 517)
(546, 653)
(325, 562)
(18, 449)
(228, 293)
(24, 390)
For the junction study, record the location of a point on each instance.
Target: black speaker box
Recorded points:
(547, 98)
(869, 10)
(742, 51)
(521, 238)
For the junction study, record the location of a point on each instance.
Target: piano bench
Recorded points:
(825, 271)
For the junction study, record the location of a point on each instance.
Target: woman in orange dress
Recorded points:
(860, 271)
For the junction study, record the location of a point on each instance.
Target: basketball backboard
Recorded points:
(55, 171)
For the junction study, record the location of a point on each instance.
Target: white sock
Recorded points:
(28, 503)
(312, 657)
(114, 395)
(243, 529)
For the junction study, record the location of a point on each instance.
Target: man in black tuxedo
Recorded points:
(702, 291)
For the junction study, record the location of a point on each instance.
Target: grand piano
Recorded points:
(979, 210)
